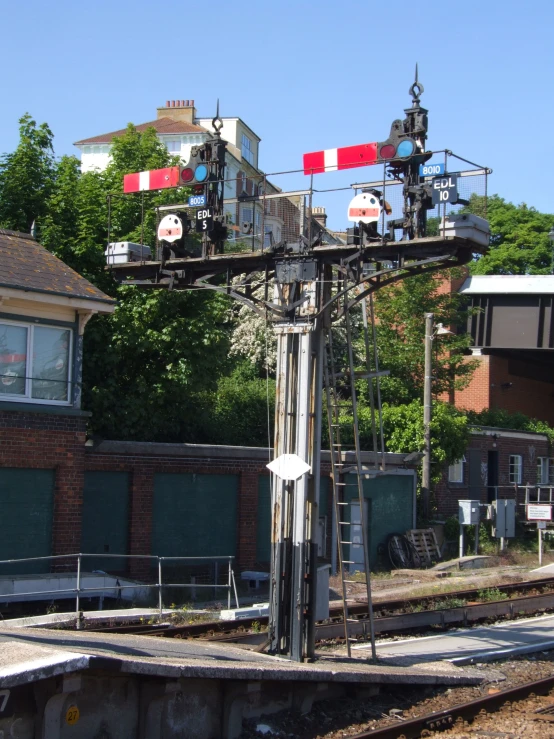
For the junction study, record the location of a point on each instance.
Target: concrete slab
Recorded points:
(120, 615)
(176, 658)
(472, 562)
(464, 646)
(25, 663)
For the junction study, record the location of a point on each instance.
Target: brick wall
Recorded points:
(48, 441)
(493, 385)
(505, 443)
(57, 442)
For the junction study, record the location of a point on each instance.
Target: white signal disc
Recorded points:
(365, 208)
(170, 228)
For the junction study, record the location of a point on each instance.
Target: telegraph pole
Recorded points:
(427, 408)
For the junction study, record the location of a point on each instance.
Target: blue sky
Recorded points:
(303, 75)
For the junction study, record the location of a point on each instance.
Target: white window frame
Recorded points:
(515, 469)
(28, 398)
(545, 470)
(457, 467)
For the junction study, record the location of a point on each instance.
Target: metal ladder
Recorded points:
(345, 462)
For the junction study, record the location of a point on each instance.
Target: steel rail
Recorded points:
(384, 623)
(445, 719)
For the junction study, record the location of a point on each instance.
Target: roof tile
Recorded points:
(162, 125)
(26, 265)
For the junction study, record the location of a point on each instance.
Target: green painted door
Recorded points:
(389, 509)
(105, 520)
(26, 505)
(194, 515)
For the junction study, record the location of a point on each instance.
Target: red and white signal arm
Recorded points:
(170, 228)
(364, 207)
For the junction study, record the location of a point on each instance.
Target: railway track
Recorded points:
(446, 719)
(390, 616)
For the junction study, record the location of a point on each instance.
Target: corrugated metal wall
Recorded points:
(26, 505)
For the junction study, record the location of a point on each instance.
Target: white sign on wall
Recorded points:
(539, 512)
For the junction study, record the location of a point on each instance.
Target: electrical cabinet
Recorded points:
(504, 519)
(468, 512)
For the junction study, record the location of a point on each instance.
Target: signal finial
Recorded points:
(416, 89)
(217, 123)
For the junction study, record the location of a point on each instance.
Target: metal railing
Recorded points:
(159, 584)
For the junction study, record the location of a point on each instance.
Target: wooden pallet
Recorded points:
(425, 543)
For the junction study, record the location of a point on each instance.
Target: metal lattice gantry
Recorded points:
(268, 250)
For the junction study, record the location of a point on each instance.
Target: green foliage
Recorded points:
(26, 176)
(401, 312)
(500, 418)
(491, 594)
(148, 366)
(403, 427)
(239, 408)
(519, 238)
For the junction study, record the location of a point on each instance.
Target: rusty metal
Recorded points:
(441, 720)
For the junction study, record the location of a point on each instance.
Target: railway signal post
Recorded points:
(308, 285)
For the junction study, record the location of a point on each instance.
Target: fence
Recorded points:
(187, 564)
(262, 211)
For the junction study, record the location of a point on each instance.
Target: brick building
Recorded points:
(61, 494)
(512, 330)
(498, 463)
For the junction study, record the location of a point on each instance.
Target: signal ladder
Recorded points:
(346, 459)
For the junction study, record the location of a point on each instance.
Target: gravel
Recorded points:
(346, 717)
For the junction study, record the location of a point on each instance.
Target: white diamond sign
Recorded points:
(288, 467)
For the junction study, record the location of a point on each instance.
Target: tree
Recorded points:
(400, 310)
(519, 238)
(150, 367)
(26, 176)
(403, 428)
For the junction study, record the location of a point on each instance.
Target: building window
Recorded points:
(268, 236)
(456, 471)
(173, 145)
(247, 215)
(35, 363)
(246, 149)
(516, 469)
(545, 471)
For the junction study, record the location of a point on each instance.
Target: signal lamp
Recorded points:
(405, 148)
(201, 173)
(388, 151)
(187, 175)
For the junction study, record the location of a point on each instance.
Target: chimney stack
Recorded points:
(178, 110)
(319, 215)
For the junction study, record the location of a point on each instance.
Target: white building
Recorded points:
(179, 128)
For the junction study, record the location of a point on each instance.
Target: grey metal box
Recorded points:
(468, 512)
(504, 519)
(468, 226)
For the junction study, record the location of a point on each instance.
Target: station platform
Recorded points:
(137, 684)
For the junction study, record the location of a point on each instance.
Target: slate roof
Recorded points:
(162, 125)
(28, 266)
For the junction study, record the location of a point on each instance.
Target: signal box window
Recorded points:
(545, 471)
(516, 469)
(35, 363)
(456, 471)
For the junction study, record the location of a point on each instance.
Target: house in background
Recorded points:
(179, 129)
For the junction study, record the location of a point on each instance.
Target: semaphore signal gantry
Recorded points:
(407, 221)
